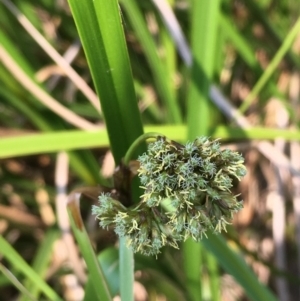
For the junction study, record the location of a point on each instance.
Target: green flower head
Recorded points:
(196, 177)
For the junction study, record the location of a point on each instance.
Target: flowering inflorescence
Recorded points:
(197, 180)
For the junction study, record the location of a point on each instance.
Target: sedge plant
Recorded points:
(187, 187)
(195, 178)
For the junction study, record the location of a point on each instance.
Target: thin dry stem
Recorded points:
(61, 180)
(55, 56)
(41, 95)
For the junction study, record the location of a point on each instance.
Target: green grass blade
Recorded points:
(286, 45)
(204, 29)
(41, 261)
(96, 276)
(50, 142)
(138, 23)
(246, 51)
(239, 42)
(236, 266)
(16, 282)
(77, 139)
(20, 265)
(13, 94)
(15, 53)
(259, 10)
(25, 110)
(170, 61)
(101, 32)
(105, 49)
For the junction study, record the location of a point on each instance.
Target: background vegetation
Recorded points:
(225, 69)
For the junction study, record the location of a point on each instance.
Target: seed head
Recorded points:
(197, 179)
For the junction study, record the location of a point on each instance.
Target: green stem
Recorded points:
(126, 264)
(137, 143)
(125, 254)
(192, 252)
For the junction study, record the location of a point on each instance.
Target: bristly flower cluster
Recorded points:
(196, 178)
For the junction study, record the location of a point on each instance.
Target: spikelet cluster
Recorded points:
(195, 178)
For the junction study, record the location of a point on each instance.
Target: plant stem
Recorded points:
(137, 143)
(126, 264)
(126, 254)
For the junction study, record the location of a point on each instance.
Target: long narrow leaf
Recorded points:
(101, 32)
(77, 139)
(16, 282)
(97, 278)
(237, 267)
(204, 30)
(286, 45)
(41, 261)
(104, 44)
(141, 31)
(20, 265)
